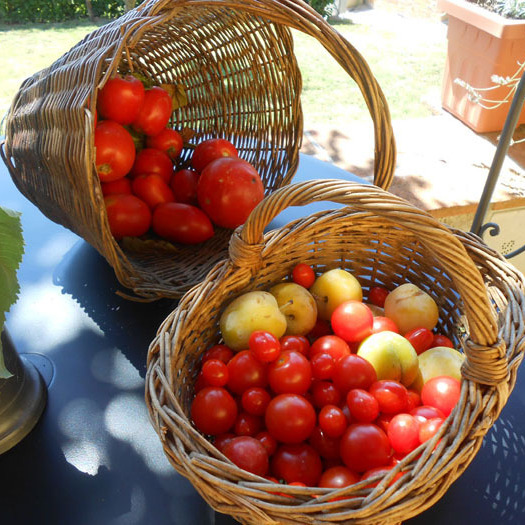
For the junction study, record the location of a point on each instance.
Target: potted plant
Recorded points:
(22, 390)
(486, 46)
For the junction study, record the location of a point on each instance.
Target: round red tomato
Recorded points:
(391, 395)
(220, 440)
(322, 366)
(215, 372)
(299, 462)
(121, 99)
(352, 371)
(268, 442)
(153, 161)
(326, 446)
(247, 424)
(425, 412)
(363, 406)
(168, 140)
(214, 410)
(116, 187)
(115, 151)
(377, 295)
(420, 338)
(246, 371)
(352, 321)
(290, 418)
(128, 216)
(332, 421)
(154, 113)
(330, 344)
(290, 373)
(210, 150)
(152, 190)
(299, 343)
(221, 352)
(247, 453)
(184, 186)
(182, 223)
(303, 275)
(442, 392)
(338, 477)
(228, 190)
(255, 400)
(365, 446)
(325, 393)
(384, 324)
(403, 433)
(264, 345)
(441, 340)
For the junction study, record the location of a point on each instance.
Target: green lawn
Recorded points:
(408, 69)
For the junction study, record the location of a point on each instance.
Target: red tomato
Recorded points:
(338, 477)
(323, 366)
(352, 321)
(320, 329)
(221, 352)
(391, 395)
(377, 295)
(332, 421)
(330, 344)
(152, 190)
(247, 453)
(303, 275)
(383, 420)
(114, 151)
(210, 150)
(442, 392)
(363, 406)
(264, 345)
(384, 324)
(299, 343)
(245, 371)
(152, 161)
(352, 371)
(429, 428)
(121, 99)
(425, 412)
(414, 400)
(325, 393)
(154, 113)
(214, 410)
(247, 425)
(128, 216)
(255, 400)
(290, 373)
(221, 440)
(326, 446)
(116, 187)
(182, 223)
(299, 462)
(268, 442)
(215, 372)
(290, 418)
(441, 340)
(228, 190)
(420, 338)
(169, 141)
(403, 433)
(365, 446)
(184, 186)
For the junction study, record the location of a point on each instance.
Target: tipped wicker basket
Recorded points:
(236, 62)
(382, 240)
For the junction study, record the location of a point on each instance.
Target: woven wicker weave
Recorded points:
(236, 61)
(382, 240)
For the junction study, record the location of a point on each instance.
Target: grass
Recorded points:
(408, 69)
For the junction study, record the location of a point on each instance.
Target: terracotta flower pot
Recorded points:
(480, 44)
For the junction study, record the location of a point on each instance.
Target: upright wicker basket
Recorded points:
(382, 240)
(236, 62)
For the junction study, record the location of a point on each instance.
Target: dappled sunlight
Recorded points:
(111, 366)
(137, 511)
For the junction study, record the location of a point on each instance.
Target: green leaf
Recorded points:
(11, 251)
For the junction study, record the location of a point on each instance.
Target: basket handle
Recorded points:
(298, 15)
(486, 361)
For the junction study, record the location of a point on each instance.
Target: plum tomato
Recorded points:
(264, 345)
(391, 395)
(255, 400)
(268, 442)
(221, 352)
(363, 406)
(247, 453)
(290, 373)
(428, 428)
(290, 418)
(116, 187)
(384, 324)
(182, 223)
(365, 446)
(325, 393)
(210, 150)
(303, 275)
(441, 340)
(377, 295)
(154, 113)
(322, 366)
(326, 446)
(403, 433)
(420, 338)
(352, 321)
(425, 412)
(332, 421)
(184, 186)
(338, 477)
(168, 140)
(215, 372)
(330, 344)
(152, 190)
(213, 410)
(128, 216)
(297, 462)
(228, 190)
(442, 392)
(114, 151)
(121, 99)
(353, 371)
(299, 343)
(152, 161)
(247, 424)
(245, 371)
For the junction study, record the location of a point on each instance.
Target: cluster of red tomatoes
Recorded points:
(147, 188)
(309, 411)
